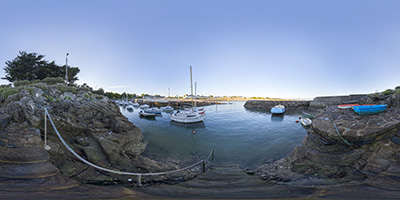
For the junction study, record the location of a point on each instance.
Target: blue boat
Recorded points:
(278, 109)
(369, 109)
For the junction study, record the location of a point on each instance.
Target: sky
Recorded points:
(265, 48)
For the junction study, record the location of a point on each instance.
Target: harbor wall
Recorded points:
(267, 105)
(315, 104)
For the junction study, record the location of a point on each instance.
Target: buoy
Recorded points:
(299, 117)
(194, 132)
(297, 121)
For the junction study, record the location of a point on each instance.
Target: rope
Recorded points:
(110, 170)
(337, 131)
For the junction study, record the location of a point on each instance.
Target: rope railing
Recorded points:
(139, 175)
(337, 131)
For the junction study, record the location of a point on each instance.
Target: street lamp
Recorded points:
(66, 69)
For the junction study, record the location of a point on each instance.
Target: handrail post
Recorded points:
(212, 157)
(139, 181)
(204, 166)
(45, 127)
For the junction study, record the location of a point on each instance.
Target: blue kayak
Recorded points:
(369, 109)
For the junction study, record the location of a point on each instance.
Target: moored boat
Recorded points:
(167, 109)
(129, 108)
(192, 115)
(369, 109)
(153, 110)
(305, 121)
(278, 109)
(144, 114)
(347, 106)
(144, 106)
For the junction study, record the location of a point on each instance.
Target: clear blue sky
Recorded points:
(269, 48)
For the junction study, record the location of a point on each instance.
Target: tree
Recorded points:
(32, 66)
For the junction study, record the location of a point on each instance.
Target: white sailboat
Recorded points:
(189, 116)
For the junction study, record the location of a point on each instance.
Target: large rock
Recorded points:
(94, 129)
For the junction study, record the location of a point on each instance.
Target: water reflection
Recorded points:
(242, 136)
(189, 126)
(147, 118)
(277, 118)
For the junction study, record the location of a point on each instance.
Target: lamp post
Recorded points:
(66, 69)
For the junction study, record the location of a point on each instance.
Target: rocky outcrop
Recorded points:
(94, 128)
(363, 152)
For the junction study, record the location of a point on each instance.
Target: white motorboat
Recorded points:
(144, 106)
(278, 109)
(189, 116)
(144, 114)
(153, 110)
(305, 121)
(129, 108)
(167, 109)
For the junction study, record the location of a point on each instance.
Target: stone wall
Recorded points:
(315, 104)
(322, 102)
(267, 105)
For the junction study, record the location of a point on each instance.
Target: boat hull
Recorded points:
(278, 109)
(369, 109)
(187, 117)
(305, 121)
(149, 115)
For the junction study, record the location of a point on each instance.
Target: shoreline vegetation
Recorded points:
(323, 166)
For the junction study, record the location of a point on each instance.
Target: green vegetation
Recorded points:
(48, 80)
(32, 66)
(7, 91)
(388, 92)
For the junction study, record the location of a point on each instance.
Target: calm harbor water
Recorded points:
(238, 135)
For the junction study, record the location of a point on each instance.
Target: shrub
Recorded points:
(8, 91)
(22, 83)
(53, 80)
(388, 92)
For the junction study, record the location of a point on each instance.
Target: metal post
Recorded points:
(139, 182)
(66, 68)
(212, 156)
(45, 128)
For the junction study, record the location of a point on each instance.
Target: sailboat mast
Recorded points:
(191, 86)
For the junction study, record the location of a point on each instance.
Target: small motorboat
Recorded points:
(144, 114)
(278, 109)
(305, 121)
(369, 109)
(144, 106)
(347, 106)
(129, 108)
(135, 104)
(153, 110)
(167, 109)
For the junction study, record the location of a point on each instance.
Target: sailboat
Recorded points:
(189, 116)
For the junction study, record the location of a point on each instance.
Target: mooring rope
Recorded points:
(337, 131)
(110, 170)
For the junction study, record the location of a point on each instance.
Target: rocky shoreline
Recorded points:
(94, 128)
(365, 153)
(364, 156)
